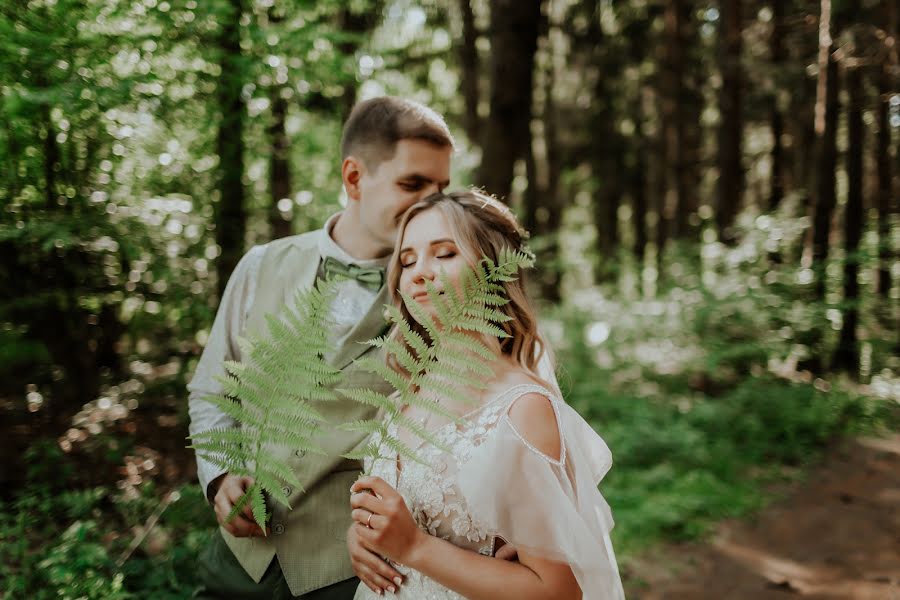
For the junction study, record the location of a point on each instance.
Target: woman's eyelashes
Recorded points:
(411, 260)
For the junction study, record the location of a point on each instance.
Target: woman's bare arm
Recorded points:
(394, 533)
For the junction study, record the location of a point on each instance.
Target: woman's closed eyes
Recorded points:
(408, 263)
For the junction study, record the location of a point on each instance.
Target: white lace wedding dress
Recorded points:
(494, 484)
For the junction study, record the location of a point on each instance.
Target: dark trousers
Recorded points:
(223, 578)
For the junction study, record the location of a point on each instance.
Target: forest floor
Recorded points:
(836, 534)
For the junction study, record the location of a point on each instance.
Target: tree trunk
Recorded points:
(730, 185)
(662, 197)
(279, 167)
(515, 25)
(672, 81)
(51, 159)
(358, 22)
(543, 206)
(607, 149)
(847, 355)
(826, 149)
(638, 185)
(468, 62)
(230, 216)
(778, 60)
(883, 162)
(550, 289)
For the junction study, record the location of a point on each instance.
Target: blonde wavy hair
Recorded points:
(481, 227)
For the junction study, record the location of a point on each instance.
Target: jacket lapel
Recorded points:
(299, 275)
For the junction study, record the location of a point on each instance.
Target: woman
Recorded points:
(523, 467)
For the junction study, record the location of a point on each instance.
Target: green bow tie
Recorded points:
(371, 278)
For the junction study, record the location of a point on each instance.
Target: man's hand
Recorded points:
(371, 569)
(506, 551)
(230, 490)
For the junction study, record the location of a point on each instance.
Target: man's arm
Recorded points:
(221, 346)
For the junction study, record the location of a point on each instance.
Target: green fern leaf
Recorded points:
(444, 370)
(272, 396)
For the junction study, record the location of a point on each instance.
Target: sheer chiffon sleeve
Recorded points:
(548, 507)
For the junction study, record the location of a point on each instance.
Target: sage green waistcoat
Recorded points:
(310, 538)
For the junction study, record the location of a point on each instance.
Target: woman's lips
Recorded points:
(423, 296)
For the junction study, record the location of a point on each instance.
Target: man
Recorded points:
(394, 153)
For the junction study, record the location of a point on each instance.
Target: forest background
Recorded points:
(711, 189)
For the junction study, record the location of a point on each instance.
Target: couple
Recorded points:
(523, 466)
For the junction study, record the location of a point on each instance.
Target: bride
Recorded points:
(523, 468)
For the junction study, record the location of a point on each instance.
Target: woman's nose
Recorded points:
(424, 271)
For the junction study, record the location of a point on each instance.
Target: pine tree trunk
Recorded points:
(638, 185)
(826, 150)
(230, 214)
(777, 56)
(279, 167)
(661, 196)
(550, 290)
(672, 122)
(883, 163)
(542, 199)
(730, 185)
(51, 159)
(847, 354)
(515, 25)
(607, 150)
(468, 62)
(358, 21)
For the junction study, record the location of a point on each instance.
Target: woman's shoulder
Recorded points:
(533, 415)
(519, 379)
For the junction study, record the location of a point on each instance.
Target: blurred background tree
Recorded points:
(711, 187)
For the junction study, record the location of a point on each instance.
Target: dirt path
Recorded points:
(837, 535)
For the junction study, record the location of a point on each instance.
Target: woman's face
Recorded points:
(428, 248)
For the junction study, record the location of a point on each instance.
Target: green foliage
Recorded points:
(67, 544)
(441, 357)
(699, 426)
(77, 566)
(272, 396)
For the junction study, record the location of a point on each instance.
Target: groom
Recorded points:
(394, 153)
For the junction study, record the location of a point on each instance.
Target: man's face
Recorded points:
(417, 170)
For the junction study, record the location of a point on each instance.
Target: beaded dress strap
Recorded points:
(528, 388)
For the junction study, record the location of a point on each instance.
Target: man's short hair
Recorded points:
(375, 126)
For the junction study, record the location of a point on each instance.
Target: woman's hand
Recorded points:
(383, 521)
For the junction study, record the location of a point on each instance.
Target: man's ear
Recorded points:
(352, 171)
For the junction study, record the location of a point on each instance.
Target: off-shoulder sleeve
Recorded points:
(550, 508)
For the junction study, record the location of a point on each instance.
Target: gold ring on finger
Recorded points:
(368, 521)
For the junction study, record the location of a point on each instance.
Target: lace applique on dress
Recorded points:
(432, 495)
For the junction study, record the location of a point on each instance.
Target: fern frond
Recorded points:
(240, 504)
(450, 368)
(415, 341)
(371, 398)
(272, 396)
(421, 315)
(258, 504)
